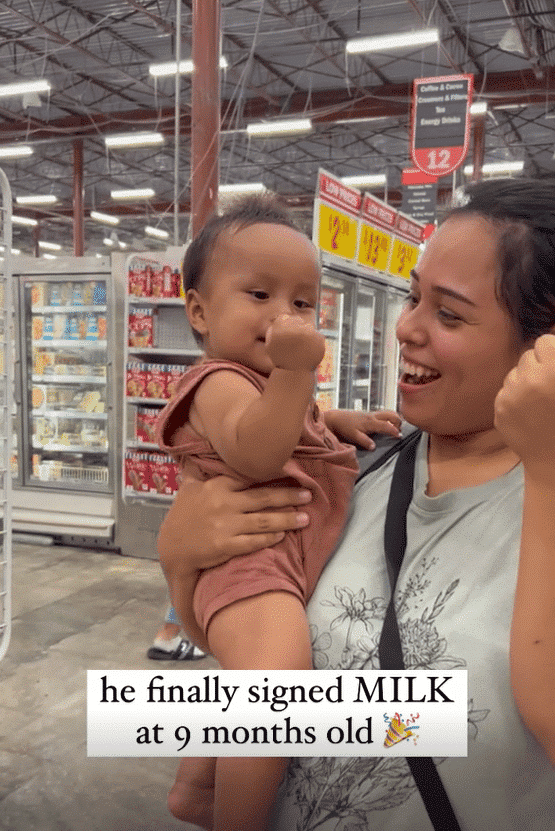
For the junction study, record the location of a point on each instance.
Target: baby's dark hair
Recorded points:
(243, 212)
(523, 211)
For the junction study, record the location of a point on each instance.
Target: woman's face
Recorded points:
(457, 342)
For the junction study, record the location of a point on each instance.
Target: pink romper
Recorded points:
(320, 463)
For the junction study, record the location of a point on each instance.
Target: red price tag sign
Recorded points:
(440, 126)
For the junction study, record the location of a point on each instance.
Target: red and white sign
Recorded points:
(440, 127)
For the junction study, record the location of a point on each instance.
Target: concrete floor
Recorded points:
(74, 610)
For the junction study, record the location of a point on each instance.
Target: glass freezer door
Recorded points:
(363, 380)
(64, 400)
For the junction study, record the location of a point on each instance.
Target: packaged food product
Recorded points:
(137, 472)
(174, 373)
(135, 383)
(38, 294)
(163, 474)
(37, 328)
(141, 327)
(156, 378)
(145, 423)
(38, 397)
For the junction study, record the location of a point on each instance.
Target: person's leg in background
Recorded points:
(170, 643)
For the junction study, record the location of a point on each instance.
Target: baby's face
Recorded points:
(253, 276)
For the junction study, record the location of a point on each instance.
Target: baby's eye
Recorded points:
(258, 294)
(303, 304)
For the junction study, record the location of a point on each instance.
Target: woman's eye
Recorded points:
(411, 300)
(448, 317)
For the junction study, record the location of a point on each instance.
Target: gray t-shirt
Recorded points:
(454, 600)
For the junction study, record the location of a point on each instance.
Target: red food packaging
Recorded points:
(174, 373)
(156, 381)
(157, 283)
(177, 284)
(145, 423)
(163, 474)
(137, 472)
(135, 381)
(136, 281)
(141, 327)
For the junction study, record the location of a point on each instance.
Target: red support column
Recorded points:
(78, 199)
(479, 146)
(205, 116)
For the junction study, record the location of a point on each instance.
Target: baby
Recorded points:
(247, 411)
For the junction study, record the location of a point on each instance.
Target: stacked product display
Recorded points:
(159, 346)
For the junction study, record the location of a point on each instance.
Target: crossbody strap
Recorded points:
(390, 651)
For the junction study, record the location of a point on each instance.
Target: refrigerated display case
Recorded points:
(66, 403)
(6, 412)
(358, 310)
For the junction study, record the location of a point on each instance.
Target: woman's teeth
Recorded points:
(416, 374)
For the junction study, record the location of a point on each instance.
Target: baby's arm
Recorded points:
(268, 631)
(256, 433)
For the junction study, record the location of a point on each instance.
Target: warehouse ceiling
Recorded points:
(285, 58)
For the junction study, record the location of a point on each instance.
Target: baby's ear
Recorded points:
(194, 306)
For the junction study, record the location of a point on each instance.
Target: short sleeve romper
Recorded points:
(320, 463)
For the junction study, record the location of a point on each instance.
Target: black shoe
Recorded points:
(185, 651)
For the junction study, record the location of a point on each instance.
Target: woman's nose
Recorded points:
(410, 328)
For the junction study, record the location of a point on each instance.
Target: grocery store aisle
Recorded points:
(74, 610)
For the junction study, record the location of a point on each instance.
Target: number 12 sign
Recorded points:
(440, 123)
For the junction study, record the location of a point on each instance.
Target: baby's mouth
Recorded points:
(416, 374)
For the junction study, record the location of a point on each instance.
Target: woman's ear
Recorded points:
(194, 306)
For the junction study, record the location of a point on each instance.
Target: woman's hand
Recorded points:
(354, 425)
(525, 409)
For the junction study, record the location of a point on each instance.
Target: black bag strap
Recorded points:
(423, 769)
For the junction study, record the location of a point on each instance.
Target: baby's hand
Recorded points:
(293, 344)
(354, 425)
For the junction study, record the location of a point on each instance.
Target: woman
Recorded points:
(479, 320)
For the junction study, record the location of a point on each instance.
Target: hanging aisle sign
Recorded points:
(440, 123)
(376, 233)
(336, 212)
(406, 246)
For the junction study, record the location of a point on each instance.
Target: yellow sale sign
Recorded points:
(403, 258)
(337, 232)
(374, 247)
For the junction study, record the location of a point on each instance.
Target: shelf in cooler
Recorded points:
(134, 400)
(42, 310)
(70, 379)
(80, 414)
(70, 448)
(66, 344)
(161, 350)
(148, 495)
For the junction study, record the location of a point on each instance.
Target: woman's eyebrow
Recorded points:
(444, 290)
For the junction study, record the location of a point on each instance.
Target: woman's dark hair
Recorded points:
(523, 211)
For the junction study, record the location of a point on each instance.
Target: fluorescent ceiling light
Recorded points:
(139, 193)
(14, 250)
(105, 218)
(134, 140)
(38, 199)
(160, 70)
(14, 151)
(509, 106)
(496, 167)
(246, 187)
(479, 108)
(23, 87)
(23, 220)
(383, 43)
(49, 257)
(108, 241)
(362, 120)
(368, 180)
(52, 246)
(274, 128)
(156, 232)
